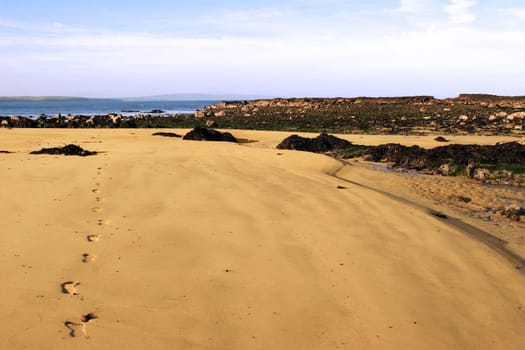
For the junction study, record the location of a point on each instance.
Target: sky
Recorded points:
(288, 48)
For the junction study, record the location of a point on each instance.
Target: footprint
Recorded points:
(88, 258)
(96, 209)
(93, 238)
(74, 326)
(69, 287)
(88, 317)
(95, 190)
(101, 222)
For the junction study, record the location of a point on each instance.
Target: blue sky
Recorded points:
(115, 48)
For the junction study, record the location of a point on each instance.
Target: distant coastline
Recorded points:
(41, 98)
(165, 97)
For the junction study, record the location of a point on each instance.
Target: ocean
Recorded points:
(32, 108)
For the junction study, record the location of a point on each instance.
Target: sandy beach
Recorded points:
(173, 244)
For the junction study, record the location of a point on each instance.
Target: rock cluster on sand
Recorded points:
(207, 134)
(68, 150)
(112, 120)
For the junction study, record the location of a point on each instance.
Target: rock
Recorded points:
(512, 212)
(166, 134)
(460, 198)
(517, 115)
(463, 118)
(447, 169)
(469, 170)
(68, 150)
(398, 154)
(441, 139)
(220, 114)
(322, 143)
(481, 174)
(200, 114)
(207, 134)
(439, 214)
(211, 123)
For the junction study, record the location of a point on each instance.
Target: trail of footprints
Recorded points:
(79, 328)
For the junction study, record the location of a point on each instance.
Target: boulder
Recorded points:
(207, 134)
(322, 143)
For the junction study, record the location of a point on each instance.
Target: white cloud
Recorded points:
(515, 12)
(520, 13)
(459, 11)
(413, 6)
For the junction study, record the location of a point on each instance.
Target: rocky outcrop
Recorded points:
(466, 114)
(503, 163)
(68, 150)
(207, 134)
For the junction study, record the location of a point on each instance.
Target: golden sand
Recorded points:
(160, 243)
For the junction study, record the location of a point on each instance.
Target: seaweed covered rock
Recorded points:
(68, 150)
(207, 134)
(166, 134)
(398, 154)
(510, 153)
(319, 144)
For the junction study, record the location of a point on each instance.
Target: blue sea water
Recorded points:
(96, 106)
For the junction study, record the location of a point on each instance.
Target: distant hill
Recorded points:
(41, 98)
(166, 97)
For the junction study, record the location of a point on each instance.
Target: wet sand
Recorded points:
(196, 245)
